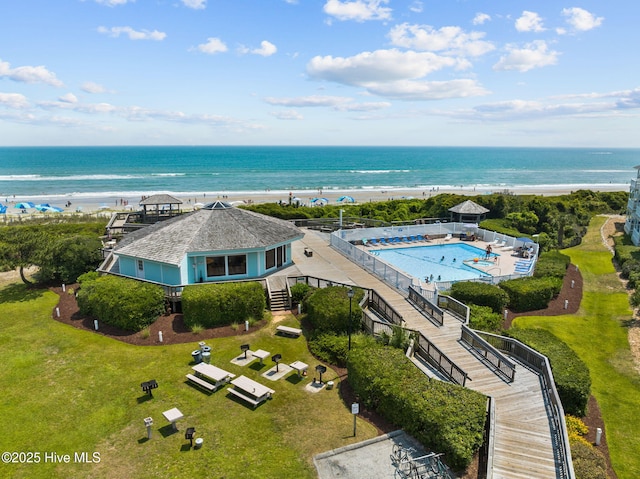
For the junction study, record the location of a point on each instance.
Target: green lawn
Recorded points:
(598, 334)
(67, 391)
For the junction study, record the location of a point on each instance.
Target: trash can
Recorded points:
(206, 357)
(197, 356)
(206, 349)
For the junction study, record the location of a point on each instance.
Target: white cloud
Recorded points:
(358, 10)
(533, 55)
(195, 4)
(377, 66)
(450, 40)
(29, 74)
(428, 90)
(133, 34)
(68, 98)
(416, 7)
(213, 46)
(481, 18)
(529, 22)
(581, 20)
(13, 100)
(113, 3)
(91, 87)
(367, 106)
(308, 101)
(266, 49)
(287, 115)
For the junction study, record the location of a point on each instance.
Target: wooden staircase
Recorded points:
(278, 295)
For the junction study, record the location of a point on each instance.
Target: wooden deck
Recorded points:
(523, 441)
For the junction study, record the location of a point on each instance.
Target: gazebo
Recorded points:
(216, 243)
(159, 207)
(468, 212)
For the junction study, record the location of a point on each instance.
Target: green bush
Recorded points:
(570, 373)
(299, 291)
(121, 302)
(444, 417)
(531, 294)
(552, 263)
(481, 294)
(88, 277)
(588, 462)
(483, 318)
(210, 305)
(328, 309)
(333, 349)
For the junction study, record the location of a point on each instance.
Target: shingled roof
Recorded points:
(160, 199)
(216, 227)
(469, 208)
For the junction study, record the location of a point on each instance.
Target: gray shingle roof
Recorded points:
(161, 199)
(205, 231)
(469, 208)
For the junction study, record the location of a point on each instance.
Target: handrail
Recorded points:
(540, 363)
(457, 309)
(436, 358)
(490, 354)
(433, 312)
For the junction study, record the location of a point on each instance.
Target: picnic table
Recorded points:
(172, 415)
(300, 367)
(261, 354)
(251, 391)
(217, 375)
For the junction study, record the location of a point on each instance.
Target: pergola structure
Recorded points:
(159, 207)
(468, 212)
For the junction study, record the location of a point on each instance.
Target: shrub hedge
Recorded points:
(481, 294)
(444, 417)
(299, 291)
(121, 302)
(588, 462)
(570, 373)
(210, 305)
(530, 294)
(333, 348)
(483, 318)
(328, 309)
(552, 263)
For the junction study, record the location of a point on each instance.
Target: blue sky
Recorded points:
(319, 72)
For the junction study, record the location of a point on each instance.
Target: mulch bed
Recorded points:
(175, 332)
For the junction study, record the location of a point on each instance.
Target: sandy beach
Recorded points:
(101, 204)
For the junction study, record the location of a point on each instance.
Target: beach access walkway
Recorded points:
(523, 436)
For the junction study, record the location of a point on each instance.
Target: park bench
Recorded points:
(289, 331)
(201, 382)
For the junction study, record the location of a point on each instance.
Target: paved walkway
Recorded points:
(523, 444)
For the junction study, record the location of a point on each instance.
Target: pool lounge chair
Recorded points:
(373, 242)
(383, 242)
(448, 237)
(500, 244)
(405, 239)
(420, 238)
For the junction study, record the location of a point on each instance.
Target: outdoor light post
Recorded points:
(350, 293)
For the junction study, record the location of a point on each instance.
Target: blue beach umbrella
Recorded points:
(524, 240)
(47, 208)
(3, 209)
(319, 201)
(348, 199)
(24, 205)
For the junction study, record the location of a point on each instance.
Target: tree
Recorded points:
(68, 257)
(21, 247)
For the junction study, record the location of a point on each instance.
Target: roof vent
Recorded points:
(217, 205)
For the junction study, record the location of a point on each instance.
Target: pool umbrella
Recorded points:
(24, 205)
(524, 240)
(348, 199)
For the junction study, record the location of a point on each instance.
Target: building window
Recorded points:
(237, 264)
(215, 266)
(270, 258)
(140, 265)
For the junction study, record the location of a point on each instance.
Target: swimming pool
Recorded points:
(443, 262)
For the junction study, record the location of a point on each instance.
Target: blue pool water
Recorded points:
(446, 262)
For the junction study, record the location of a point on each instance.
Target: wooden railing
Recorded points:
(430, 353)
(540, 363)
(486, 452)
(456, 308)
(489, 354)
(433, 312)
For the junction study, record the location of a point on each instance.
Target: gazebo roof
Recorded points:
(161, 199)
(468, 207)
(209, 229)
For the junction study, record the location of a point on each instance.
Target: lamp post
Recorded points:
(350, 293)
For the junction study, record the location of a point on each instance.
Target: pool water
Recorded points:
(443, 262)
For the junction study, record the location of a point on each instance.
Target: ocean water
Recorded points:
(68, 172)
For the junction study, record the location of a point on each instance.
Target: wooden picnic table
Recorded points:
(300, 367)
(261, 354)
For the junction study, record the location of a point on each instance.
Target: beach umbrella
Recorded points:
(3, 209)
(348, 199)
(47, 208)
(24, 205)
(295, 199)
(319, 201)
(42, 206)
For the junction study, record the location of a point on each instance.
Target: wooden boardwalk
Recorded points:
(523, 439)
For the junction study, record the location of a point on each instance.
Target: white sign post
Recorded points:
(355, 409)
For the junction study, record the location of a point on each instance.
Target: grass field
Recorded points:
(598, 334)
(67, 391)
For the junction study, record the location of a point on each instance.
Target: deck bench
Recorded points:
(289, 331)
(201, 382)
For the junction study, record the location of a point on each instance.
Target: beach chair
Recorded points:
(396, 239)
(383, 242)
(373, 242)
(365, 242)
(405, 239)
(412, 239)
(501, 244)
(448, 237)
(420, 238)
